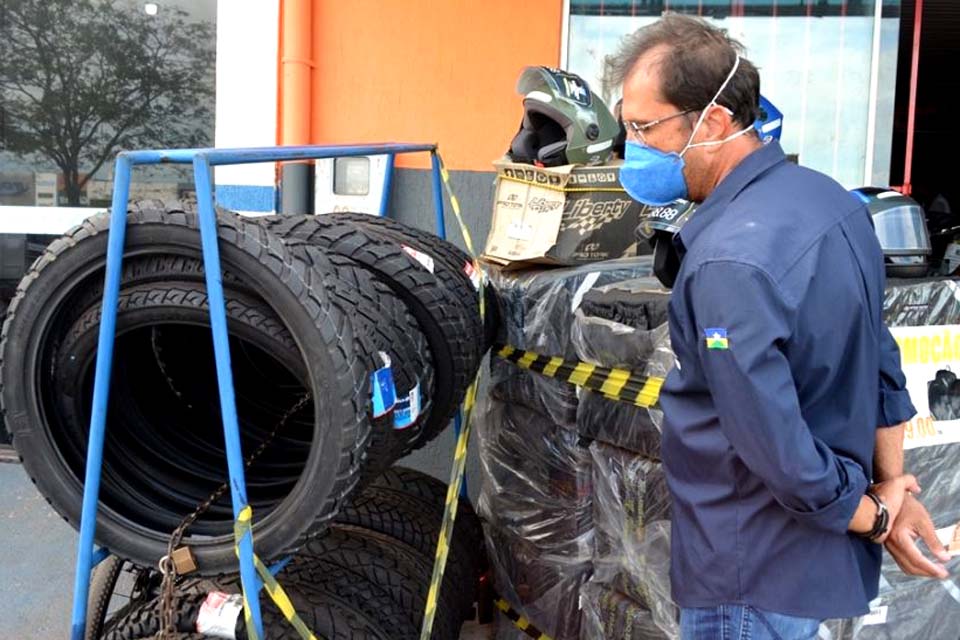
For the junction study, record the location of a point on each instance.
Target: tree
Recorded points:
(83, 79)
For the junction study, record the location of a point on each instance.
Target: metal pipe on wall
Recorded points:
(912, 109)
(296, 68)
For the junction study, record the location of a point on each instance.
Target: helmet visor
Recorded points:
(902, 230)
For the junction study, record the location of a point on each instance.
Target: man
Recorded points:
(783, 484)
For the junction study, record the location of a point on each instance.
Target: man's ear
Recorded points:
(717, 124)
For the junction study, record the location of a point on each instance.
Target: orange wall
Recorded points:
(427, 71)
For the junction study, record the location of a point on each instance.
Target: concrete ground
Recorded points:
(37, 556)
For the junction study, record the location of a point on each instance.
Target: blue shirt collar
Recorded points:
(750, 168)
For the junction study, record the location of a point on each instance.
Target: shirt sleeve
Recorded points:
(742, 321)
(895, 404)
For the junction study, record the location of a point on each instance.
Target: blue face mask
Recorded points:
(652, 176)
(655, 177)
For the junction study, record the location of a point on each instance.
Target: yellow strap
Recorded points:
(460, 452)
(270, 584)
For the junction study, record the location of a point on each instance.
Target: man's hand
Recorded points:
(914, 522)
(892, 493)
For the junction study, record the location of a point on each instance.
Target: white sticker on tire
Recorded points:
(219, 614)
(426, 261)
(474, 275)
(407, 410)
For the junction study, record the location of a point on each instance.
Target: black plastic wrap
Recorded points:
(623, 325)
(911, 303)
(574, 552)
(536, 483)
(622, 424)
(631, 510)
(916, 609)
(538, 305)
(630, 491)
(544, 587)
(538, 308)
(537, 506)
(607, 613)
(909, 607)
(613, 324)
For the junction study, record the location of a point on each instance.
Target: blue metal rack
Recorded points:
(202, 160)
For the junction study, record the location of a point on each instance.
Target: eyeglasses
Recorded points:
(637, 129)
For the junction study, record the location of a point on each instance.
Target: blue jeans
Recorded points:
(743, 622)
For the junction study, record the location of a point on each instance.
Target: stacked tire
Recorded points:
(366, 577)
(315, 307)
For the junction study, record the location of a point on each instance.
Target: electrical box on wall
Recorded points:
(360, 183)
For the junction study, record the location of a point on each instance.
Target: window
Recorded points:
(81, 80)
(830, 66)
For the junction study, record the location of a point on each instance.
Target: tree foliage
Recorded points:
(83, 79)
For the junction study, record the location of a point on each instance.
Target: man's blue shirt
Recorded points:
(785, 371)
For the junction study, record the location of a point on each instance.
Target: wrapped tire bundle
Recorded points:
(610, 614)
(293, 340)
(543, 587)
(537, 309)
(623, 325)
(536, 506)
(918, 608)
(442, 300)
(536, 480)
(538, 306)
(630, 492)
(614, 324)
(641, 575)
(553, 400)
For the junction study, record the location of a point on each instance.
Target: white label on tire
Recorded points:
(473, 274)
(420, 257)
(219, 614)
(407, 410)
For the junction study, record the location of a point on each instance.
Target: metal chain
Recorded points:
(167, 568)
(155, 345)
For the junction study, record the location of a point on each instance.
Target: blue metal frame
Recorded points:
(202, 160)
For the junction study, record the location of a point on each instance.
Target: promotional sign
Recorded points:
(930, 358)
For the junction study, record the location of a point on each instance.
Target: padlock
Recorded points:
(183, 560)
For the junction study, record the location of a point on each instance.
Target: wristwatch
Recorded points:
(882, 521)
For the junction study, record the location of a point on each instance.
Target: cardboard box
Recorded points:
(562, 215)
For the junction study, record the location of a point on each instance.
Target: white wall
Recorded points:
(247, 46)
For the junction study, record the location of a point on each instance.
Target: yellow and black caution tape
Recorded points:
(271, 586)
(460, 452)
(615, 384)
(519, 621)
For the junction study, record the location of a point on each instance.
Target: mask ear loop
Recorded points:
(703, 113)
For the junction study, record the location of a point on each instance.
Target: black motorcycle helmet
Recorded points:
(901, 227)
(658, 226)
